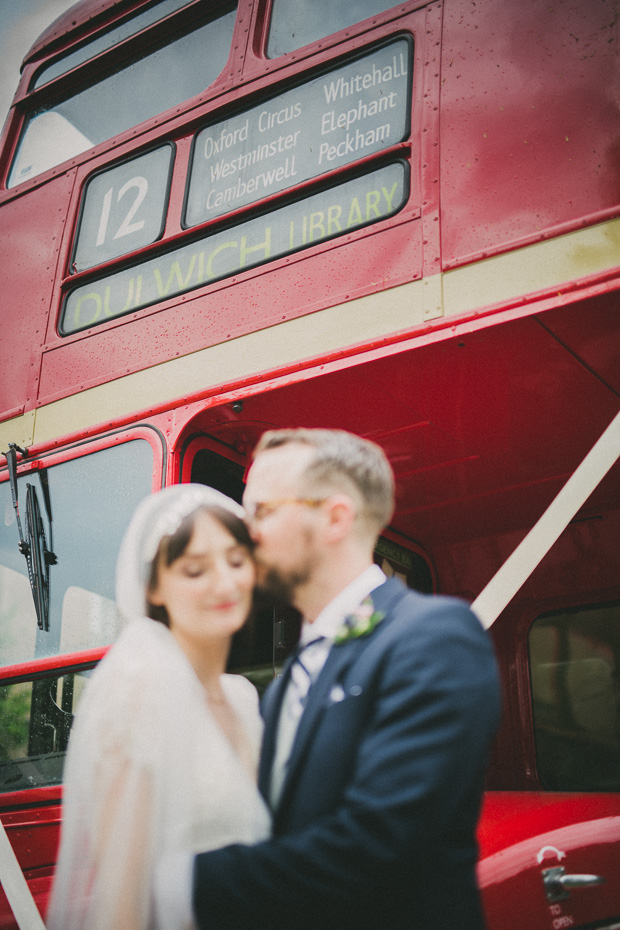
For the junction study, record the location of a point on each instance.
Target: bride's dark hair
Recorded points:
(172, 548)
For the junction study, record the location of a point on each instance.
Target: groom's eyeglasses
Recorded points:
(257, 512)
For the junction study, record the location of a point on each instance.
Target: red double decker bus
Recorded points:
(401, 220)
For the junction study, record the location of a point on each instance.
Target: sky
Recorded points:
(21, 22)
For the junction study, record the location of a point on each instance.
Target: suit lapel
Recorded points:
(341, 657)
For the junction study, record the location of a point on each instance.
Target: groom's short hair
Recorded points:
(343, 462)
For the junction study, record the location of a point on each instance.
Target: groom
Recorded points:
(377, 733)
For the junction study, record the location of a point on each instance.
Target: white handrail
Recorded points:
(16, 887)
(521, 563)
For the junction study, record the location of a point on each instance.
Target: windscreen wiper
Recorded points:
(33, 544)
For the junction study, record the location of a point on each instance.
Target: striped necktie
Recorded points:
(305, 666)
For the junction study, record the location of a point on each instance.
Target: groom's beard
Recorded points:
(281, 586)
(283, 583)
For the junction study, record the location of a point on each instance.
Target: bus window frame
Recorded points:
(166, 143)
(516, 743)
(259, 30)
(560, 607)
(67, 663)
(122, 18)
(43, 460)
(38, 670)
(89, 445)
(411, 546)
(28, 99)
(272, 92)
(364, 23)
(197, 442)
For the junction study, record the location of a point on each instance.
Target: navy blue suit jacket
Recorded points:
(377, 817)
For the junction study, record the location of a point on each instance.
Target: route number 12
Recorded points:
(123, 208)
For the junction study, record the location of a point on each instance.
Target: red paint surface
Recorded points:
(529, 120)
(496, 96)
(523, 834)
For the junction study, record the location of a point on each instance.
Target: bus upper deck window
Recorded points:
(295, 23)
(112, 37)
(153, 83)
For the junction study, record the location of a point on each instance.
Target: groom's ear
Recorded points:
(340, 512)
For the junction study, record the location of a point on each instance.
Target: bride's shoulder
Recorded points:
(240, 685)
(241, 691)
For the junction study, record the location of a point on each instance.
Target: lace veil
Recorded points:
(157, 516)
(142, 751)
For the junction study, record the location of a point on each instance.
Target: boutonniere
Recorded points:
(360, 623)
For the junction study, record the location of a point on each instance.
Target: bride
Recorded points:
(164, 748)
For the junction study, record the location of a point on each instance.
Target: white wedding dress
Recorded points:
(148, 772)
